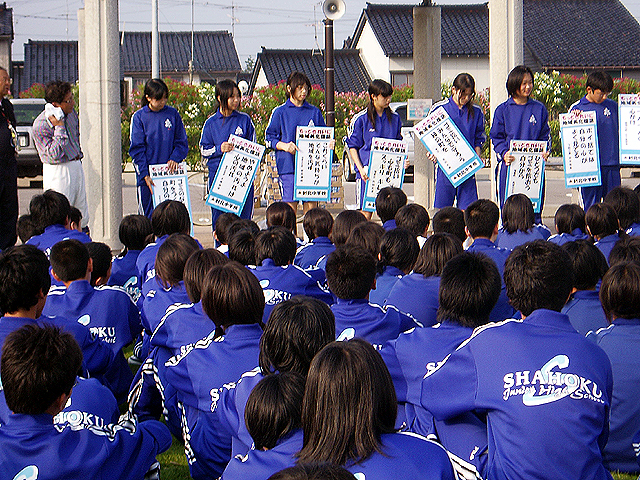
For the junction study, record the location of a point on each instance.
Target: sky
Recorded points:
(289, 24)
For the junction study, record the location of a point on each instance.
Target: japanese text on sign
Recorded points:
(312, 180)
(579, 136)
(629, 119)
(526, 172)
(386, 168)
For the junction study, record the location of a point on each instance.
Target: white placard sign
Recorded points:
(386, 168)
(629, 120)
(312, 179)
(580, 155)
(526, 173)
(170, 185)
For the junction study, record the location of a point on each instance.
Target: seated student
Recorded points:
(620, 296)
(220, 234)
(313, 471)
(583, 307)
(481, 219)
(233, 300)
(603, 226)
(317, 224)
(415, 218)
(450, 220)
(416, 353)
(569, 223)
(367, 235)
(272, 416)
(417, 293)
(279, 278)
(242, 247)
(348, 416)
(38, 369)
(398, 252)
(546, 389)
(627, 206)
(351, 274)
(75, 219)
(100, 254)
(278, 215)
(346, 221)
(518, 223)
(625, 250)
(26, 228)
(388, 201)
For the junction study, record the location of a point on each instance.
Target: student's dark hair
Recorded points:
(231, 295)
(24, 273)
(100, 254)
(170, 217)
(223, 222)
(50, 208)
(280, 214)
(367, 235)
(517, 214)
(538, 275)
(172, 257)
(273, 408)
(56, 91)
(602, 220)
(297, 329)
(317, 222)
(637, 189)
(450, 220)
(469, 289)
(464, 82)
(298, 79)
(398, 248)
(276, 243)
(154, 88)
(242, 224)
(196, 268)
(600, 80)
(413, 217)
(438, 249)
(69, 260)
(344, 224)
(350, 272)
(570, 217)
(620, 292)
(626, 204)
(242, 247)
(481, 218)
(349, 402)
(134, 231)
(38, 365)
(588, 263)
(75, 215)
(224, 91)
(313, 471)
(388, 201)
(625, 250)
(27, 228)
(378, 87)
(516, 77)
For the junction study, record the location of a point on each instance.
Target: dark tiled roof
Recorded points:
(45, 61)
(350, 73)
(6, 21)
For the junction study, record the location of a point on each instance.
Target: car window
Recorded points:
(26, 113)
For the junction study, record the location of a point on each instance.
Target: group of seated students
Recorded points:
(471, 345)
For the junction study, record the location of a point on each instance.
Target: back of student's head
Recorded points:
(26, 228)
(280, 214)
(231, 295)
(517, 214)
(313, 471)
(344, 224)
(570, 217)
(242, 247)
(469, 289)
(349, 401)
(620, 292)
(350, 272)
(538, 275)
(626, 204)
(75, 218)
(399, 248)
(601, 220)
(69, 260)
(39, 364)
(450, 220)
(317, 222)
(50, 208)
(242, 224)
(223, 223)
(134, 231)
(437, 250)
(413, 217)
(196, 268)
(172, 257)
(100, 254)
(481, 218)
(588, 262)
(24, 275)
(625, 250)
(170, 217)
(274, 408)
(600, 80)
(276, 243)
(367, 235)
(298, 79)
(388, 201)
(297, 329)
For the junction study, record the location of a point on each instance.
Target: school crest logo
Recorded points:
(168, 124)
(238, 131)
(607, 112)
(532, 119)
(311, 124)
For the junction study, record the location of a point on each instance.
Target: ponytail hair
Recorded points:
(378, 87)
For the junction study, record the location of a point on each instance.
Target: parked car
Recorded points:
(26, 111)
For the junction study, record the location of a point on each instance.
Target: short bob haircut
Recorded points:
(349, 402)
(602, 220)
(196, 268)
(172, 257)
(450, 220)
(274, 408)
(242, 247)
(313, 471)
(351, 272)
(276, 243)
(516, 77)
(317, 222)
(620, 292)
(438, 249)
(538, 275)
(231, 295)
(69, 260)
(344, 224)
(469, 289)
(517, 214)
(154, 88)
(398, 248)
(134, 231)
(297, 329)
(570, 217)
(413, 217)
(589, 264)
(280, 214)
(388, 201)
(170, 217)
(481, 218)
(600, 80)
(298, 79)
(625, 250)
(626, 204)
(56, 91)
(367, 235)
(24, 273)
(50, 208)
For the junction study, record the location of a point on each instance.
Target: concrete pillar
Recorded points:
(99, 72)
(426, 84)
(506, 50)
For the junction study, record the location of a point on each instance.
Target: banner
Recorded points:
(312, 179)
(580, 156)
(386, 168)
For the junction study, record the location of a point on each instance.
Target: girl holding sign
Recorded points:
(214, 140)
(376, 121)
